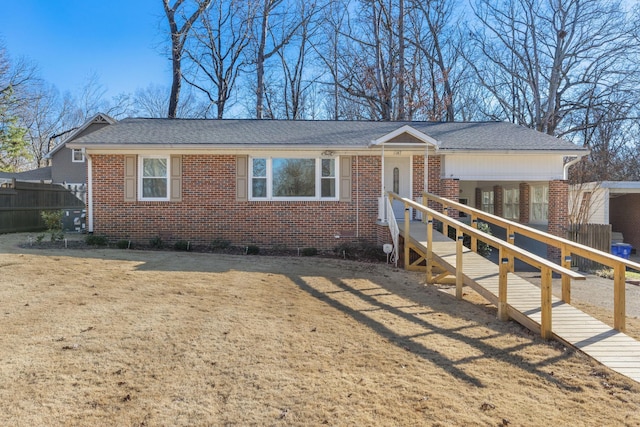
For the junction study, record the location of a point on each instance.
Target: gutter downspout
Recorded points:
(565, 170)
(90, 192)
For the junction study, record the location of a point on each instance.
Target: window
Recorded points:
(328, 180)
(154, 178)
(540, 204)
(487, 201)
(77, 155)
(512, 203)
(293, 178)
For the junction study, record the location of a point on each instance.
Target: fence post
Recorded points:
(619, 300)
(566, 280)
(407, 236)
(502, 285)
(545, 306)
(474, 240)
(511, 238)
(459, 249)
(429, 249)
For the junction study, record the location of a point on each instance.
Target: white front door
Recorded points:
(397, 178)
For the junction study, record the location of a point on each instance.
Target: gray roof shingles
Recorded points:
(491, 136)
(41, 174)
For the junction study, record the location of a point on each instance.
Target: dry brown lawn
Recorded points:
(133, 338)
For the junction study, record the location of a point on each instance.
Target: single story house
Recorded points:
(310, 183)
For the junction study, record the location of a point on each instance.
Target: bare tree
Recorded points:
(432, 34)
(270, 36)
(179, 34)
(294, 85)
(543, 62)
(217, 56)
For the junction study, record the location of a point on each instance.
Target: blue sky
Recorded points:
(119, 40)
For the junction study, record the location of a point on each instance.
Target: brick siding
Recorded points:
(451, 190)
(209, 209)
(525, 206)
(558, 213)
(498, 200)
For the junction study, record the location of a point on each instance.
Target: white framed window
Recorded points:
(153, 182)
(77, 155)
(487, 201)
(293, 178)
(539, 204)
(512, 203)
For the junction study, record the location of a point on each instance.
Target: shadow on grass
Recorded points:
(414, 307)
(433, 302)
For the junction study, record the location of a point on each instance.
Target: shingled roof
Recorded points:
(491, 136)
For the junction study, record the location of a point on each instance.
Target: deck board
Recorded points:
(571, 326)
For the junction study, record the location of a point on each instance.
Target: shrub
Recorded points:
(52, 219)
(220, 244)
(124, 244)
(483, 248)
(156, 242)
(96, 240)
(53, 222)
(309, 252)
(373, 252)
(345, 250)
(252, 250)
(182, 245)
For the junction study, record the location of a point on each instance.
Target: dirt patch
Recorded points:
(117, 337)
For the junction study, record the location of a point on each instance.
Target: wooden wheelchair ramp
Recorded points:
(571, 326)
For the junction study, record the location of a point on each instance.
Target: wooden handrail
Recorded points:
(523, 255)
(584, 251)
(506, 251)
(567, 248)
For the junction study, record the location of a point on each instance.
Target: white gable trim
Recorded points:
(426, 139)
(98, 118)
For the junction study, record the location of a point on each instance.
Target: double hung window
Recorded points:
(154, 178)
(487, 201)
(539, 203)
(512, 203)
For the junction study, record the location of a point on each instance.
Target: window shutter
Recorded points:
(130, 178)
(345, 178)
(242, 178)
(175, 179)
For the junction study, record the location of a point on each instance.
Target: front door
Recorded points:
(397, 178)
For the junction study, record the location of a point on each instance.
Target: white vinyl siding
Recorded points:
(503, 167)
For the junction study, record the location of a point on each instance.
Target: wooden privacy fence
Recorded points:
(21, 204)
(597, 236)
